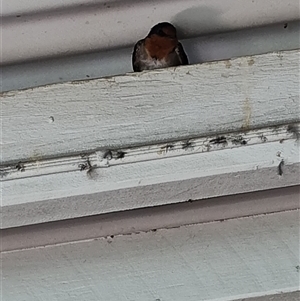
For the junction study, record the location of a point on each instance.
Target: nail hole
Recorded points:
(51, 119)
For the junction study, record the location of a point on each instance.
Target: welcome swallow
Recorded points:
(160, 49)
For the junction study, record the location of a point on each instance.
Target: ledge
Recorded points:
(151, 107)
(149, 139)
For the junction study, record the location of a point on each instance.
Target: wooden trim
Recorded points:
(151, 107)
(94, 160)
(172, 179)
(153, 138)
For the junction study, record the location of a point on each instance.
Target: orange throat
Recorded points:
(159, 47)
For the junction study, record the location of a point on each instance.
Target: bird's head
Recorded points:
(165, 30)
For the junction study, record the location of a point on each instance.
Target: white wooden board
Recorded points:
(64, 188)
(144, 108)
(221, 261)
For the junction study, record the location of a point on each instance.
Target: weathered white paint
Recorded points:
(251, 41)
(109, 158)
(217, 261)
(151, 218)
(120, 187)
(221, 261)
(139, 109)
(29, 29)
(148, 107)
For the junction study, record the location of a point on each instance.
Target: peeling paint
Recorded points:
(228, 63)
(250, 61)
(280, 55)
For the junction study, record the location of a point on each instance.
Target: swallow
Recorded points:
(159, 49)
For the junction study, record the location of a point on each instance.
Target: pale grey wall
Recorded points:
(118, 61)
(45, 28)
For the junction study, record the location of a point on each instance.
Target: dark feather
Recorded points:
(158, 29)
(182, 55)
(135, 56)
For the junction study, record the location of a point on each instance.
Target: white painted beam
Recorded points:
(98, 144)
(30, 28)
(65, 188)
(149, 107)
(234, 259)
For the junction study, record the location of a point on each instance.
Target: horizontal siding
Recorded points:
(234, 259)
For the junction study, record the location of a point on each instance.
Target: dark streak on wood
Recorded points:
(280, 166)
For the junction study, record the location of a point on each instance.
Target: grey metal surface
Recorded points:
(283, 36)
